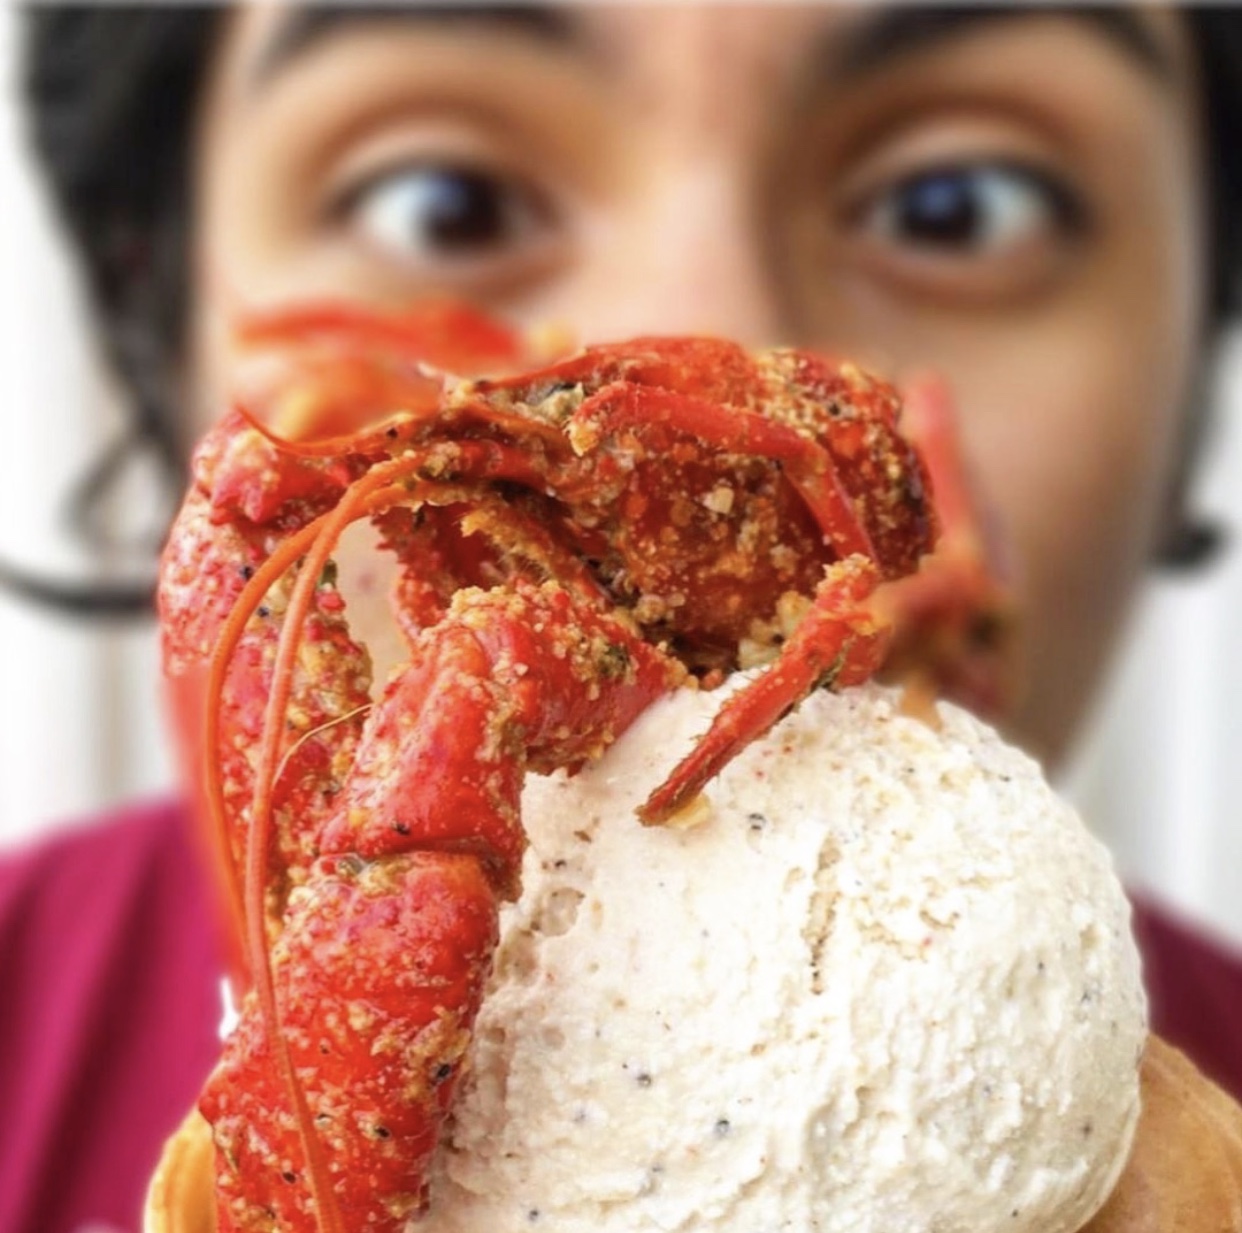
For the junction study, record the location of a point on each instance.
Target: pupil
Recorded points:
(940, 209)
(460, 208)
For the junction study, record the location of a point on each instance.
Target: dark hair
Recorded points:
(113, 93)
(1216, 35)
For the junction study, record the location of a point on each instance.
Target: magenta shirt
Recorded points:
(109, 1003)
(109, 1000)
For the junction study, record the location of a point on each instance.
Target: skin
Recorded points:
(690, 169)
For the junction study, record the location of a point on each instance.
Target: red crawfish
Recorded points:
(573, 543)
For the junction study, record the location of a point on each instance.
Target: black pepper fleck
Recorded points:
(443, 1071)
(643, 1079)
(722, 1127)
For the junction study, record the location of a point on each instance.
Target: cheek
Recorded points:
(1075, 444)
(1074, 432)
(1076, 424)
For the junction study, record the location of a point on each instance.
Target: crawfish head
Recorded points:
(694, 483)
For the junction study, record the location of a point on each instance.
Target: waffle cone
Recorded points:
(1184, 1174)
(181, 1196)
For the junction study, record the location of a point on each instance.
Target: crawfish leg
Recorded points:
(479, 541)
(446, 335)
(436, 560)
(839, 643)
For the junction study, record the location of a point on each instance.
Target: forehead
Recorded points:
(807, 42)
(266, 36)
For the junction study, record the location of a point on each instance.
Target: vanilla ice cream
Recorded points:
(886, 982)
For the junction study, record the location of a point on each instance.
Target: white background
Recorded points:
(1159, 777)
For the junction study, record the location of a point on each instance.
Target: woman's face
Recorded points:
(1012, 200)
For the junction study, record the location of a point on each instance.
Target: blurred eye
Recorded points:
(971, 210)
(438, 213)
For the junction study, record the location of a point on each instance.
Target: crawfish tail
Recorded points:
(379, 975)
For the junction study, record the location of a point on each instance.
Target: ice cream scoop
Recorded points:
(883, 980)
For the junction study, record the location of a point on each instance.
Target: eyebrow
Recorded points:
(876, 41)
(306, 28)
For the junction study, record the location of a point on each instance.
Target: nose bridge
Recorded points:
(693, 260)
